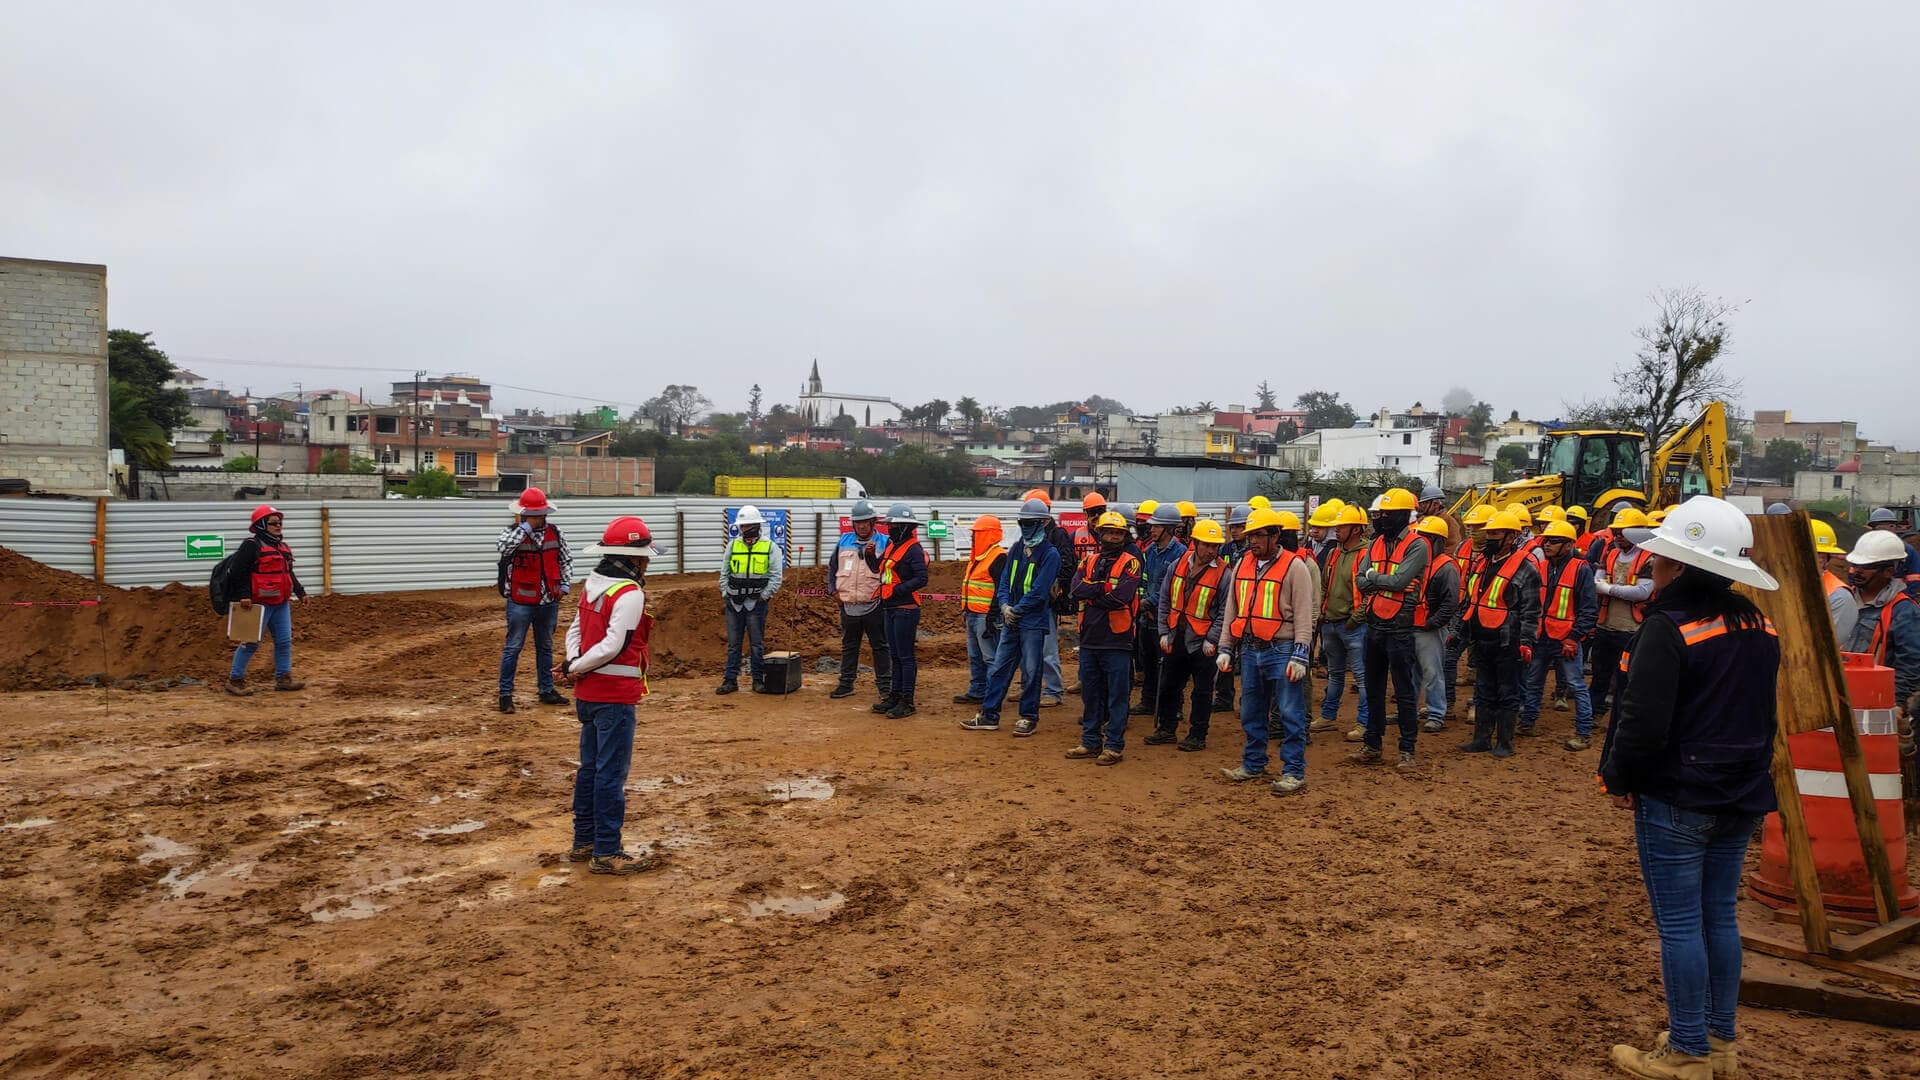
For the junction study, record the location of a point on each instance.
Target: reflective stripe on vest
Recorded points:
(1382, 605)
(1119, 620)
(1556, 602)
(1205, 586)
(889, 575)
(749, 566)
(1261, 611)
(623, 679)
(976, 589)
(1697, 632)
(1490, 603)
(1420, 611)
(1633, 570)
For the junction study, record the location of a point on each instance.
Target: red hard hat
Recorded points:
(263, 511)
(626, 536)
(534, 501)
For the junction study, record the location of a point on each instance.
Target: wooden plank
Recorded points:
(99, 541)
(1793, 822)
(1769, 945)
(1878, 941)
(1801, 992)
(326, 553)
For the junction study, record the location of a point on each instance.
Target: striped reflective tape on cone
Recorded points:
(1833, 785)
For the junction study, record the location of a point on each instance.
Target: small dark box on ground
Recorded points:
(783, 672)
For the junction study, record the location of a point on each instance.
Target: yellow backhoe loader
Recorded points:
(1596, 469)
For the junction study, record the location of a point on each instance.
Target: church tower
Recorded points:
(813, 380)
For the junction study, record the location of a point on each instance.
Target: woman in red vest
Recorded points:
(264, 564)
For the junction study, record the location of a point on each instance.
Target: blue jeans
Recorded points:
(750, 624)
(1051, 682)
(276, 622)
(1430, 648)
(1692, 864)
(1546, 654)
(1345, 650)
(542, 618)
(1106, 690)
(983, 638)
(903, 629)
(1264, 689)
(600, 785)
(1025, 646)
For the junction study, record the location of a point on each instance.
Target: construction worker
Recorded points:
(1463, 557)
(1690, 752)
(534, 572)
(1569, 606)
(1092, 505)
(1600, 538)
(1390, 582)
(1842, 606)
(1623, 586)
(1320, 531)
(263, 565)
(1223, 696)
(903, 573)
(1191, 599)
(1160, 553)
(1885, 519)
(748, 580)
(1657, 517)
(1778, 509)
(1052, 683)
(1888, 624)
(1022, 600)
(1436, 613)
(1527, 538)
(1501, 615)
(1343, 621)
(1143, 522)
(858, 589)
(606, 663)
(1268, 620)
(1259, 502)
(1433, 503)
(1189, 513)
(1581, 521)
(977, 587)
(1107, 586)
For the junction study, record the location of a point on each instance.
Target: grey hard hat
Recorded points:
(1125, 510)
(901, 514)
(1882, 516)
(1034, 510)
(1166, 514)
(1431, 492)
(1238, 515)
(862, 511)
(1779, 508)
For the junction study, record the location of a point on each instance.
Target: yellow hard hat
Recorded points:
(1824, 540)
(1432, 525)
(1109, 519)
(1146, 509)
(1264, 518)
(1337, 504)
(1505, 521)
(1560, 530)
(1551, 513)
(1260, 502)
(1289, 520)
(1580, 512)
(1351, 514)
(1630, 518)
(1209, 532)
(1187, 509)
(1656, 517)
(1479, 515)
(1520, 511)
(1324, 515)
(1397, 499)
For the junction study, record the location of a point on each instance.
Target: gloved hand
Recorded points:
(1526, 654)
(1604, 588)
(1208, 649)
(1366, 580)
(1569, 649)
(1224, 661)
(1297, 663)
(1166, 644)
(1008, 615)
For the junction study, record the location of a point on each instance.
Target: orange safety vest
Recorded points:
(976, 589)
(1353, 575)
(1639, 563)
(1381, 605)
(1440, 559)
(888, 578)
(1471, 563)
(1556, 602)
(1261, 612)
(1204, 589)
(1490, 600)
(1119, 620)
(1878, 648)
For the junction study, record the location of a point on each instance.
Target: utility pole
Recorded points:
(417, 376)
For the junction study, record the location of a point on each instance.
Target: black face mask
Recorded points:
(1113, 546)
(1391, 522)
(749, 533)
(899, 530)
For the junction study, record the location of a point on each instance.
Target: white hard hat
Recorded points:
(1711, 534)
(748, 515)
(1877, 546)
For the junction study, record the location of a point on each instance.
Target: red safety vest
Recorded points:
(1490, 598)
(1556, 602)
(1639, 563)
(1420, 613)
(272, 574)
(623, 679)
(1194, 608)
(888, 579)
(1259, 611)
(534, 575)
(1119, 620)
(1878, 648)
(1381, 605)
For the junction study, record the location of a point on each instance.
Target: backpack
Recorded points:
(220, 585)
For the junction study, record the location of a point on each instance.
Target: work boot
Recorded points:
(961, 699)
(1482, 740)
(886, 703)
(727, 686)
(1139, 710)
(1559, 703)
(1192, 745)
(1720, 1054)
(1578, 743)
(1434, 724)
(1161, 737)
(553, 697)
(621, 863)
(1025, 726)
(1288, 785)
(845, 689)
(580, 853)
(1081, 752)
(1322, 723)
(1503, 733)
(1223, 703)
(1366, 755)
(287, 682)
(1050, 701)
(238, 687)
(506, 703)
(1239, 773)
(1525, 728)
(1662, 1062)
(759, 686)
(1358, 734)
(1108, 757)
(902, 707)
(1407, 763)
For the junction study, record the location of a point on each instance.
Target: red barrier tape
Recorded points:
(923, 596)
(53, 603)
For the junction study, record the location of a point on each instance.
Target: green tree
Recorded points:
(332, 462)
(677, 407)
(434, 483)
(845, 425)
(1264, 398)
(1479, 420)
(754, 397)
(727, 423)
(362, 465)
(142, 414)
(1511, 460)
(1070, 451)
(1324, 409)
(131, 426)
(970, 411)
(1784, 458)
(1675, 372)
(243, 463)
(1104, 406)
(1204, 406)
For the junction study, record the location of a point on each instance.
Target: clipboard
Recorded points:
(245, 622)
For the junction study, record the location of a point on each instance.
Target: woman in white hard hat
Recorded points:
(1689, 753)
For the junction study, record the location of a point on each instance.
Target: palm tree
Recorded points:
(1203, 407)
(133, 429)
(970, 409)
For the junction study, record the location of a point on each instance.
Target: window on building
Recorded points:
(1836, 481)
(466, 463)
(332, 424)
(426, 460)
(1407, 439)
(386, 425)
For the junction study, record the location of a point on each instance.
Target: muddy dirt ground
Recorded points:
(365, 879)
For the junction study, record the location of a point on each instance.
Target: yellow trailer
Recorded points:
(787, 487)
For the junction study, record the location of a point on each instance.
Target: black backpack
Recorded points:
(220, 584)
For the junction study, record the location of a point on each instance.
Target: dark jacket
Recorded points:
(1090, 587)
(1032, 603)
(247, 556)
(911, 572)
(1410, 572)
(1062, 542)
(1182, 634)
(1586, 601)
(1443, 595)
(1159, 561)
(1523, 605)
(1696, 717)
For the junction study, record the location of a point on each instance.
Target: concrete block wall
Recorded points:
(53, 375)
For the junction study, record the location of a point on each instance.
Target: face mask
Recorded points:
(897, 531)
(749, 533)
(1113, 545)
(1032, 531)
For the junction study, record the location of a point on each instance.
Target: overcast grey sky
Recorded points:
(1026, 202)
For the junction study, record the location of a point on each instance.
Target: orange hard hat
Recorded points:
(1038, 493)
(1093, 501)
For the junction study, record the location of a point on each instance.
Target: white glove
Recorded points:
(1604, 588)
(1166, 644)
(1224, 661)
(1296, 670)
(1366, 581)
(1208, 649)
(1008, 615)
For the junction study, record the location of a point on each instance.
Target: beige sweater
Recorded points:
(1299, 601)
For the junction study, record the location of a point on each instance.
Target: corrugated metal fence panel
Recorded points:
(147, 541)
(58, 532)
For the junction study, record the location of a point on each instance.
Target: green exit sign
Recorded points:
(206, 546)
(937, 530)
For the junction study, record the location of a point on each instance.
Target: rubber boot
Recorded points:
(1482, 740)
(1503, 733)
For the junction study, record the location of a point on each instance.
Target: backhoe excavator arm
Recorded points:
(1701, 445)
